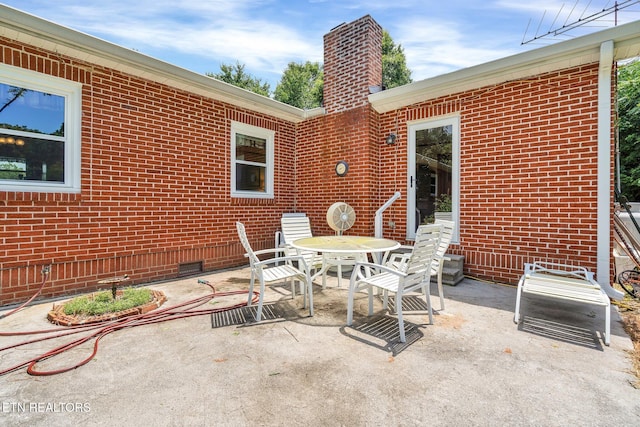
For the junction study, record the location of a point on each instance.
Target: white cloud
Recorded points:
(434, 48)
(266, 35)
(217, 31)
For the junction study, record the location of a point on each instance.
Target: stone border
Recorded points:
(57, 316)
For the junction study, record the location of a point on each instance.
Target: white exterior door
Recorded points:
(433, 172)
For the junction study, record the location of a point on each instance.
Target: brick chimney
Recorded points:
(352, 63)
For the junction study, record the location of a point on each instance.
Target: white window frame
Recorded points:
(413, 127)
(258, 132)
(72, 94)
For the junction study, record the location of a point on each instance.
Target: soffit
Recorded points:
(35, 31)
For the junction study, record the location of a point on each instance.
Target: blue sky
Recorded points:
(265, 35)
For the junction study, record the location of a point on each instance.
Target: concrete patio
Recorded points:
(474, 366)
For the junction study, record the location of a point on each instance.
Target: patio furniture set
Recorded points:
(377, 264)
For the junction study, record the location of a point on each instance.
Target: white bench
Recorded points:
(563, 282)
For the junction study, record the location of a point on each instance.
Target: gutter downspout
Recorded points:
(603, 266)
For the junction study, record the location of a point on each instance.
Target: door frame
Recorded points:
(412, 128)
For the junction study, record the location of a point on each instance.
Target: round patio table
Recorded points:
(346, 244)
(343, 250)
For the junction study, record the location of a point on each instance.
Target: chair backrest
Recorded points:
(295, 227)
(445, 237)
(242, 233)
(424, 249)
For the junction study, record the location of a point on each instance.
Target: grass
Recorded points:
(103, 302)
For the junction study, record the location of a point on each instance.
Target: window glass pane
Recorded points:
(433, 171)
(251, 149)
(31, 111)
(33, 159)
(250, 178)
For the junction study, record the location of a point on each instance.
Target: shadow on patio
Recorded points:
(473, 365)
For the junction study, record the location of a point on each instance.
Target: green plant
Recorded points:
(102, 302)
(443, 203)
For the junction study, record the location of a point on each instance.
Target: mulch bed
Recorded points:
(630, 313)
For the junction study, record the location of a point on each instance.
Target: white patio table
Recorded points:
(343, 250)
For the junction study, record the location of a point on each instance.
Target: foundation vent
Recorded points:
(189, 268)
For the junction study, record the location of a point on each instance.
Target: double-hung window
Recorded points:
(39, 132)
(251, 161)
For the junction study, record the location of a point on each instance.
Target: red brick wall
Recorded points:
(528, 176)
(352, 63)
(349, 132)
(156, 172)
(323, 142)
(155, 187)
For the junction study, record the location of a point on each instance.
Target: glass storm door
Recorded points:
(433, 172)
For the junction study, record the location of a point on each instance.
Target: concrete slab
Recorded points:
(473, 366)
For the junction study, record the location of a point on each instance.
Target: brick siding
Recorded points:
(155, 187)
(528, 176)
(352, 63)
(156, 173)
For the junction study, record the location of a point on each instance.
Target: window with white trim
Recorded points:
(39, 132)
(251, 161)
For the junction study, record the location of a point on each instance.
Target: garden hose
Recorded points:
(99, 331)
(45, 276)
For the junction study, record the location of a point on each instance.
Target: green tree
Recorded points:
(237, 76)
(301, 85)
(629, 129)
(394, 63)
(16, 93)
(10, 171)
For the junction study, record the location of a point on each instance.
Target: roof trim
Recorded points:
(38, 32)
(574, 52)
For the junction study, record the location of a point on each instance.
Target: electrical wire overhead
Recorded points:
(577, 17)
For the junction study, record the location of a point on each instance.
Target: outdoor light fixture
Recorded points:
(391, 139)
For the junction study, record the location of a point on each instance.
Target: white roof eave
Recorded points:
(575, 52)
(29, 29)
(26, 28)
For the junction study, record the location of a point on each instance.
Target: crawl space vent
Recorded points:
(189, 268)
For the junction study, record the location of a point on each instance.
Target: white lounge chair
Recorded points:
(564, 282)
(414, 275)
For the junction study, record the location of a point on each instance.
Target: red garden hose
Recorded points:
(45, 276)
(97, 332)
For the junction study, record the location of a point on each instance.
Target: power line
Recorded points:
(581, 21)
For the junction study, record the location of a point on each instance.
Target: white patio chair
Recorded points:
(414, 276)
(398, 260)
(298, 227)
(563, 282)
(439, 258)
(276, 269)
